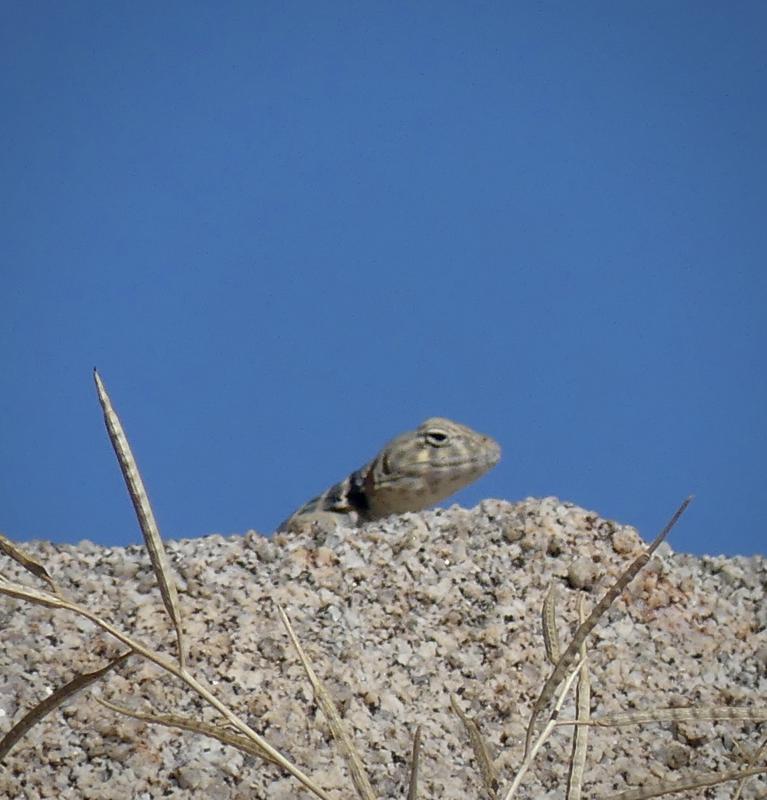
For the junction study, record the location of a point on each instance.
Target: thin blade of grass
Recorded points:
(145, 515)
(549, 623)
(698, 781)
(30, 564)
(51, 703)
(415, 758)
(194, 726)
(325, 702)
(582, 711)
(487, 769)
(563, 665)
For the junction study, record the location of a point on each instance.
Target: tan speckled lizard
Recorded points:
(412, 472)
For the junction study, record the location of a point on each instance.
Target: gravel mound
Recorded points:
(395, 617)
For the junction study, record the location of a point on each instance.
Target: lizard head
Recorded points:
(424, 466)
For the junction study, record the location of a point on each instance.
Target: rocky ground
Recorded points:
(395, 617)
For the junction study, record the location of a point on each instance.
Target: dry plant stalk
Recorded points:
(571, 653)
(25, 560)
(415, 758)
(144, 514)
(758, 753)
(685, 784)
(582, 710)
(325, 702)
(487, 770)
(223, 735)
(549, 625)
(544, 734)
(678, 714)
(51, 703)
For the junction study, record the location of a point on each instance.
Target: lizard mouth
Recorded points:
(489, 460)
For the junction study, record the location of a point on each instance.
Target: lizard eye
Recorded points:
(436, 438)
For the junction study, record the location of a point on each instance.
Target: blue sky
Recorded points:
(285, 232)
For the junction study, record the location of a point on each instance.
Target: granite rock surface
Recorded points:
(395, 616)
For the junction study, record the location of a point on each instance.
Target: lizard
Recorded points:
(412, 472)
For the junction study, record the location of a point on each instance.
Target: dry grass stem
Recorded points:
(583, 711)
(699, 781)
(223, 735)
(325, 702)
(549, 622)
(487, 769)
(532, 751)
(32, 595)
(30, 564)
(685, 714)
(750, 763)
(563, 665)
(145, 515)
(412, 791)
(51, 703)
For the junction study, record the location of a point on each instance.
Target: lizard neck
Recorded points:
(356, 490)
